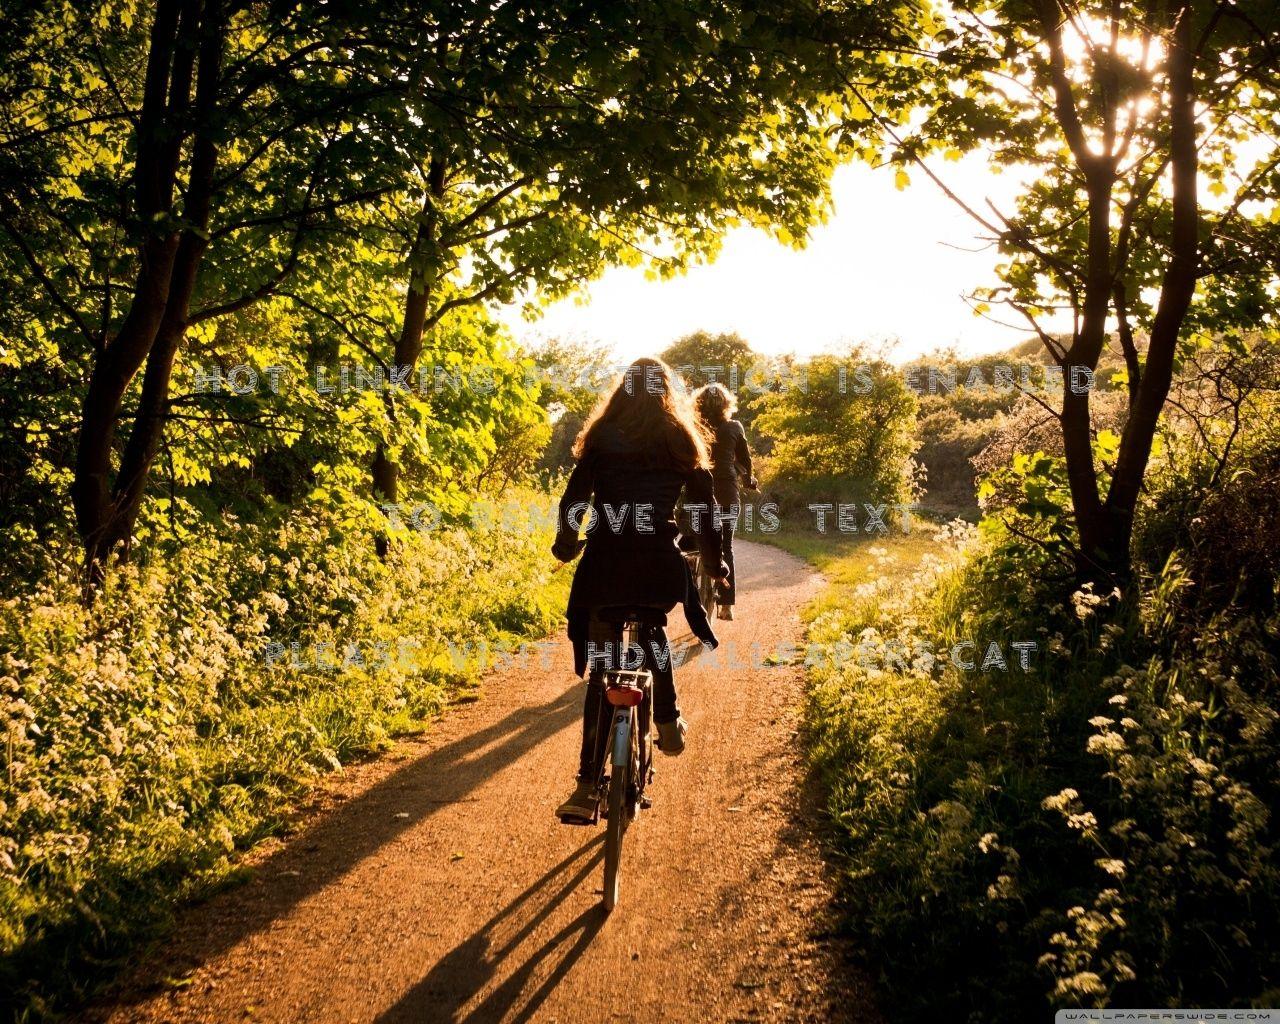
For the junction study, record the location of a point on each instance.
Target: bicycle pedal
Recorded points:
(645, 803)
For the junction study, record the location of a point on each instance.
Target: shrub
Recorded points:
(834, 442)
(148, 740)
(1098, 831)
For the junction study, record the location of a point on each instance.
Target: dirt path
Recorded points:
(435, 885)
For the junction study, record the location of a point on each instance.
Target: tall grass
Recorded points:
(153, 737)
(1097, 831)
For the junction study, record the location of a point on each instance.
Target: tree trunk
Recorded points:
(1176, 293)
(166, 94)
(408, 349)
(1105, 527)
(385, 473)
(1077, 432)
(153, 408)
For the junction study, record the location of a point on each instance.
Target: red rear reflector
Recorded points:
(624, 696)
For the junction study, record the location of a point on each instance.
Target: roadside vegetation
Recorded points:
(1100, 829)
(1097, 828)
(253, 388)
(173, 725)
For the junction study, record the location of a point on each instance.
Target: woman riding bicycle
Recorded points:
(638, 450)
(729, 457)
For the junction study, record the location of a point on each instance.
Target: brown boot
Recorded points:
(580, 808)
(671, 737)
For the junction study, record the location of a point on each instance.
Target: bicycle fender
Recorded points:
(622, 738)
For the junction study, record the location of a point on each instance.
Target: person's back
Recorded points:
(634, 494)
(730, 459)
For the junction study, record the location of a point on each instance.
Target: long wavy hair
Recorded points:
(715, 404)
(647, 408)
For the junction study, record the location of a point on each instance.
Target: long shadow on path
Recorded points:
(463, 973)
(359, 828)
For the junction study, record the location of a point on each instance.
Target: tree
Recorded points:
(579, 136)
(702, 357)
(145, 204)
(841, 436)
(469, 153)
(1127, 113)
(572, 376)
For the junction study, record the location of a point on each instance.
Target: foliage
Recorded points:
(1119, 114)
(153, 737)
(375, 169)
(572, 377)
(1098, 831)
(702, 357)
(837, 438)
(957, 420)
(1212, 514)
(1029, 426)
(188, 187)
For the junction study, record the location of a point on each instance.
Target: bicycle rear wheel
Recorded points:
(619, 815)
(707, 593)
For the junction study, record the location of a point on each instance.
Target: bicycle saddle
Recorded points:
(643, 614)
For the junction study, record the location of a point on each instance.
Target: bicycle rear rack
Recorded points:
(624, 688)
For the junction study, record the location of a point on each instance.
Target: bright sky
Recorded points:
(889, 265)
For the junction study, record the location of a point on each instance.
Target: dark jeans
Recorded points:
(605, 651)
(727, 595)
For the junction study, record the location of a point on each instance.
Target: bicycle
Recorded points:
(708, 593)
(622, 775)
(706, 585)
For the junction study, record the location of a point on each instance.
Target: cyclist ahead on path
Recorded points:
(639, 449)
(729, 457)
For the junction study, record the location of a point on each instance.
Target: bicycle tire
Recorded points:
(708, 595)
(615, 828)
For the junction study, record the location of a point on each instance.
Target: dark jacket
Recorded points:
(729, 457)
(631, 556)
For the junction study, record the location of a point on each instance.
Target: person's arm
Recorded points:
(700, 503)
(742, 454)
(577, 493)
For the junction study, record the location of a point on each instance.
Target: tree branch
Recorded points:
(97, 341)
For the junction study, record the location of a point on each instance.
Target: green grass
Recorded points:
(162, 744)
(1012, 841)
(878, 744)
(848, 559)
